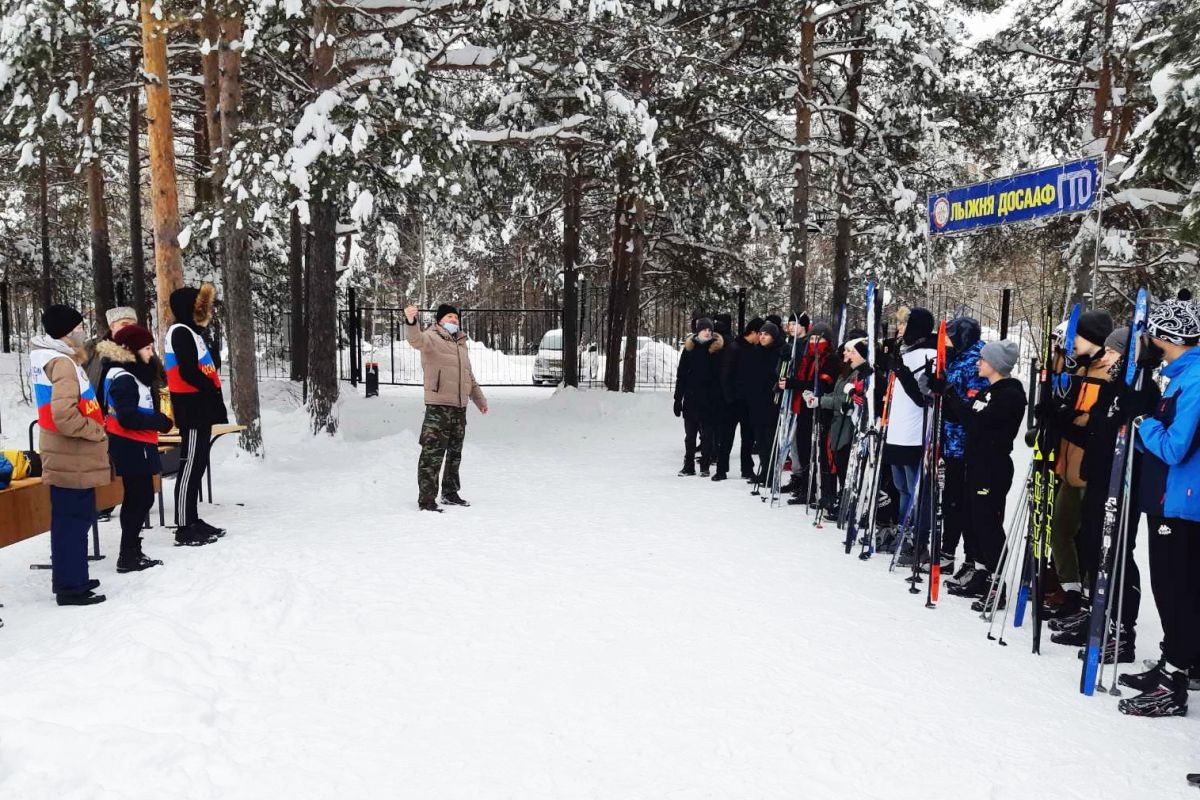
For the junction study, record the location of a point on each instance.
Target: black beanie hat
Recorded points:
(443, 310)
(770, 329)
(754, 325)
(1095, 326)
(704, 323)
(963, 332)
(919, 327)
(857, 337)
(58, 321)
(775, 320)
(804, 320)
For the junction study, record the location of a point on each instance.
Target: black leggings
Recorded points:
(193, 463)
(139, 499)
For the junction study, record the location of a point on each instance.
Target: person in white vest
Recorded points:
(74, 450)
(908, 420)
(197, 403)
(129, 379)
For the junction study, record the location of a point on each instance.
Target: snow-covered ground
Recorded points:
(594, 627)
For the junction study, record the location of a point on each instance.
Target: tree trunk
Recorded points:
(618, 281)
(848, 128)
(298, 344)
(133, 164)
(239, 290)
(572, 195)
(164, 197)
(633, 298)
(798, 251)
(47, 285)
(322, 267)
(322, 319)
(102, 268)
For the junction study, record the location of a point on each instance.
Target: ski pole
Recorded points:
(1010, 575)
(1005, 555)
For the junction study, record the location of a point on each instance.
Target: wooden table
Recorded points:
(25, 510)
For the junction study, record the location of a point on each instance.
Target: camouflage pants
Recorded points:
(441, 439)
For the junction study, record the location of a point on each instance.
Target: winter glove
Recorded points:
(165, 423)
(1135, 403)
(810, 399)
(937, 383)
(1151, 355)
(679, 406)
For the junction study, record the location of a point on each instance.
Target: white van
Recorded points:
(548, 366)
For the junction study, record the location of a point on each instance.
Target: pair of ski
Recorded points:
(1116, 518)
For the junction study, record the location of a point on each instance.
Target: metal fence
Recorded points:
(508, 346)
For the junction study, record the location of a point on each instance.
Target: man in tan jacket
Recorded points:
(449, 383)
(74, 450)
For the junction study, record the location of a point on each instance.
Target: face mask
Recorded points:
(451, 327)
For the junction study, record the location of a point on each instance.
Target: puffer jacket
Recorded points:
(962, 375)
(76, 457)
(120, 399)
(446, 364)
(697, 380)
(1170, 485)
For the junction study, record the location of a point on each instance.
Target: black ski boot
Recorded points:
(689, 468)
(1125, 656)
(84, 598)
(1077, 619)
(720, 476)
(908, 559)
(1076, 636)
(136, 561)
(962, 576)
(452, 499)
(996, 600)
(1194, 778)
(429, 505)
(975, 586)
(795, 485)
(1071, 605)
(211, 530)
(193, 536)
(1145, 681)
(1167, 698)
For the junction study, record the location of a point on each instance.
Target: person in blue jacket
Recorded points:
(1169, 494)
(129, 375)
(962, 376)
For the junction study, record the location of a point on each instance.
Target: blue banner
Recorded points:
(1062, 189)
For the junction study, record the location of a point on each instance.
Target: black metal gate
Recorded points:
(508, 346)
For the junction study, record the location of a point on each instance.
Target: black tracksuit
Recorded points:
(196, 412)
(992, 421)
(1098, 438)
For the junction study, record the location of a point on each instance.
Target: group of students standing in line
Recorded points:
(99, 414)
(726, 382)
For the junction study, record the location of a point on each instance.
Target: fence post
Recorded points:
(352, 325)
(1005, 308)
(5, 318)
(570, 329)
(741, 320)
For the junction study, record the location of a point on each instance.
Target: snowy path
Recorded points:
(594, 627)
